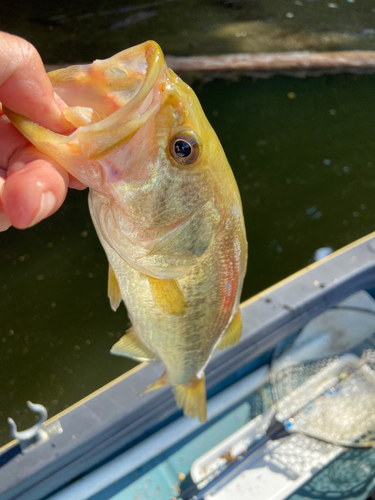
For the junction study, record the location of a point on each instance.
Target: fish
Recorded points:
(165, 205)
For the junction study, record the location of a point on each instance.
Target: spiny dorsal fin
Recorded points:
(114, 293)
(233, 333)
(168, 296)
(192, 399)
(131, 347)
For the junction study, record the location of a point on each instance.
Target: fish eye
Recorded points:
(185, 148)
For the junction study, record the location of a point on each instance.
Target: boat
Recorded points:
(291, 409)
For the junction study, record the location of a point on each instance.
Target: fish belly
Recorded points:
(212, 292)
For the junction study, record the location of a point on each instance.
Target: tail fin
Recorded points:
(192, 399)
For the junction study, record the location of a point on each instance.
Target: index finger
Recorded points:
(24, 85)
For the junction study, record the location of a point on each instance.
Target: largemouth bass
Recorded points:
(165, 205)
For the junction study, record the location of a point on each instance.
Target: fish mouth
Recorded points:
(150, 72)
(115, 96)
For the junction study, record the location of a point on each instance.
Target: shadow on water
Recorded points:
(303, 153)
(88, 30)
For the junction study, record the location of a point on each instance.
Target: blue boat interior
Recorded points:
(167, 475)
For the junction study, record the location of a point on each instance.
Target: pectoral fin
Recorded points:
(233, 333)
(114, 293)
(168, 296)
(131, 347)
(192, 399)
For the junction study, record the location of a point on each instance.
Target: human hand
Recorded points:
(32, 185)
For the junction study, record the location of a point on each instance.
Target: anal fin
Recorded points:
(168, 296)
(114, 293)
(192, 399)
(233, 332)
(131, 347)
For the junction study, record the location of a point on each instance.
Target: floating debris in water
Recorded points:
(313, 213)
(322, 252)
(317, 215)
(327, 162)
(133, 19)
(130, 8)
(289, 15)
(368, 32)
(310, 210)
(291, 95)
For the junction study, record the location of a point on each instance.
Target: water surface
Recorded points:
(83, 31)
(303, 153)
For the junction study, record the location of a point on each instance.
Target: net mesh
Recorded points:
(330, 398)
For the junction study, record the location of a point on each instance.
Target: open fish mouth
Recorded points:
(132, 82)
(107, 101)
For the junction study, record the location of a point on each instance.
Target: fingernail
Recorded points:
(60, 103)
(63, 125)
(47, 206)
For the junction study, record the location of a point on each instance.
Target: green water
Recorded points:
(72, 31)
(305, 168)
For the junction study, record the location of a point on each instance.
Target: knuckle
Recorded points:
(27, 52)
